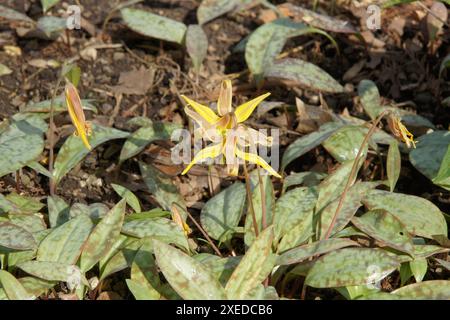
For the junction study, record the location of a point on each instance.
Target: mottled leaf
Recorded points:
(222, 213)
(189, 278)
(333, 185)
(222, 268)
(370, 98)
(153, 25)
(254, 267)
(386, 228)
(344, 144)
(52, 271)
(65, 242)
(350, 206)
(15, 237)
(21, 143)
(427, 290)
(31, 222)
(419, 268)
(129, 196)
(196, 45)
(161, 186)
(308, 178)
(304, 74)
(430, 156)
(292, 208)
(393, 164)
(308, 142)
(144, 136)
(351, 267)
(14, 15)
(102, 237)
(420, 216)
(13, 288)
(304, 252)
(73, 149)
(58, 211)
(157, 228)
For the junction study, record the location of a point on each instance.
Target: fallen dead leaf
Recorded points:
(135, 81)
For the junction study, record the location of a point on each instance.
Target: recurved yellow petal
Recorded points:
(76, 113)
(208, 152)
(203, 111)
(225, 98)
(245, 110)
(253, 158)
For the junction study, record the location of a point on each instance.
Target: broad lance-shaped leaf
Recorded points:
(257, 201)
(196, 45)
(350, 206)
(129, 196)
(317, 20)
(73, 149)
(292, 208)
(307, 178)
(187, 277)
(15, 237)
(370, 98)
(153, 25)
(222, 213)
(308, 142)
(304, 74)
(58, 211)
(332, 187)
(161, 186)
(427, 290)
(384, 227)
(420, 216)
(267, 42)
(393, 164)
(10, 14)
(144, 271)
(157, 228)
(344, 144)
(443, 177)
(307, 251)
(21, 143)
(24, 204)
(351, 267)
(54, 271)
(13, 288)
(102, 237)
(43, 108)
(222, 268)
(144, 136)
(121, 258)
(432, 154)
(95, 211)
(211, 9)
(254, 267)
(31, 222)
(64, 243)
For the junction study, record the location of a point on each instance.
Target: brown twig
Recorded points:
(353, 173)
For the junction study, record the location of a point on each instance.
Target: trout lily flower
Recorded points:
(225, 130)
(82, 127)
(399, 130)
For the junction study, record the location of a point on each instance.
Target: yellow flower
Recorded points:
(399, 130)
(82, 127)
(226, 131)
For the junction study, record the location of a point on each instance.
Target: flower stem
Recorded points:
(263, 199)
(250, 201)
(353, 173)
